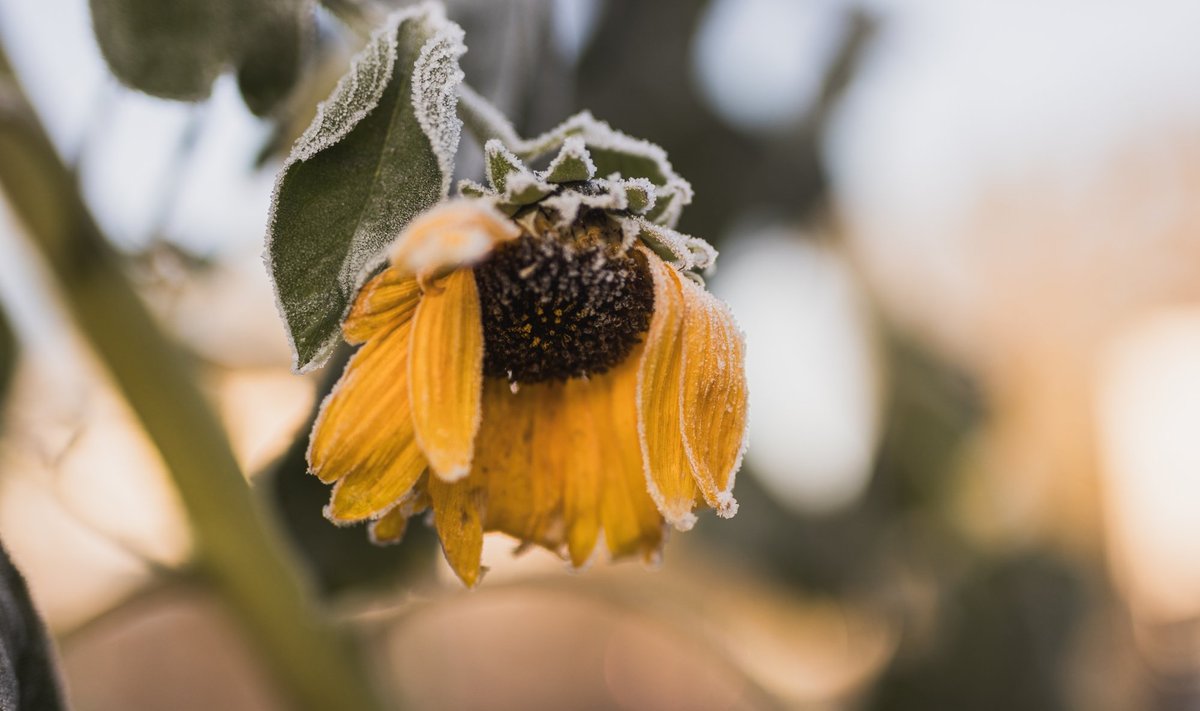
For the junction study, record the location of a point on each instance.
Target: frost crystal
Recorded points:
(357, 94)
(436, 76)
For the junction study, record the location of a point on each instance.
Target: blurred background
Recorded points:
(963, 240)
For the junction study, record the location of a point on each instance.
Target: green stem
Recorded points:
(317, 665)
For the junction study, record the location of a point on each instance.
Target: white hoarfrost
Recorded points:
(671, 190)
(435, 78)
(356, 94)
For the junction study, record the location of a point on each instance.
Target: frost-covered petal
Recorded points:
(456, 233)
(387, 300)
(363, 437)
(445, 373)
(713, 395)
(668, 472)
(631, 521)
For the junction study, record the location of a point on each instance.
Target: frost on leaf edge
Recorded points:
(445, 42)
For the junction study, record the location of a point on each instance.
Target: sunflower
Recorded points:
(540, 358)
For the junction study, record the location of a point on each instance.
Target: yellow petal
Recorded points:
(630, 519)
(714, 396)
(445, 373)
(456, 513)
(668, 471)
(581, 464)
(456, 233)
(520, 459)
(386, 301)
(389, 528)
(363, 437)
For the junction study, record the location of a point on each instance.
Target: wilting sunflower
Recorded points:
(538, 358)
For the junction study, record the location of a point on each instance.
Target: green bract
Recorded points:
(592, 166)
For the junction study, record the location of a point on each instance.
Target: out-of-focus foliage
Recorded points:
(8, 358)
(177, 49)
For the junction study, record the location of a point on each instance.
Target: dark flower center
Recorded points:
(558, 307)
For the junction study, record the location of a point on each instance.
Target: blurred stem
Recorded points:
(313, 661)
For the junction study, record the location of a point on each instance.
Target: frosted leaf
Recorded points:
(379, 152)
(684, 252)
(525, 189)
(472, 189)
(436, 77)
(572, 164)
(640, 195)
(499, 164)
(357, 94)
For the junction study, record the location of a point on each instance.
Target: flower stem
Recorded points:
(314, 662)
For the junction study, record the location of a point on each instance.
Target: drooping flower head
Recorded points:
(540, 357)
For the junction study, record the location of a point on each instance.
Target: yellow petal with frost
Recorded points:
(386, 301)
(455, 233)
(445, 373)
(363, 437)
(456, 513)
(631, 521)
(668, 471)
(714, 396)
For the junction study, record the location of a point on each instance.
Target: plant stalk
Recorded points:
(315, 663)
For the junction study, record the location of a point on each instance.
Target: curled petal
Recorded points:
(445, 373)
(363, 436)
(453, 234)
(668, 472)
(713, 396)
(386, 301)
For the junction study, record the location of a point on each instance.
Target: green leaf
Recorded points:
(572, 164)
(499, 163)
(379, 152)
(168, 48)
(174, 49)
(272, 53)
